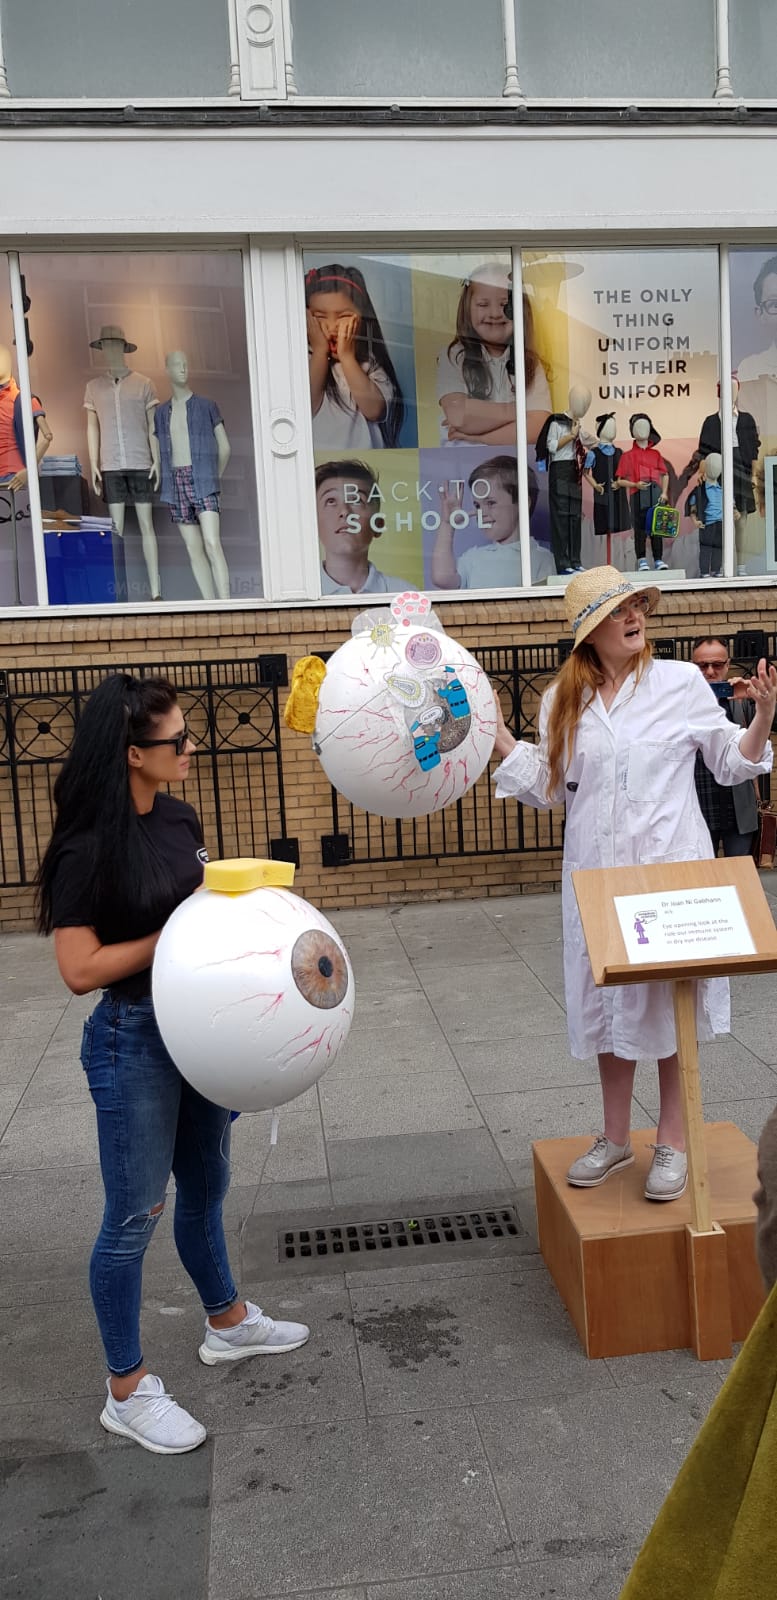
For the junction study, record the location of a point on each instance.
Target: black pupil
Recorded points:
(325, 967)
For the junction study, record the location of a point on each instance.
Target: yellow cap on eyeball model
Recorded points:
(244, 873)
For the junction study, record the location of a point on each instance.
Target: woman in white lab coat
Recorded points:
(618, 735)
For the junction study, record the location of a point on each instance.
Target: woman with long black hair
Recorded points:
(123, 854)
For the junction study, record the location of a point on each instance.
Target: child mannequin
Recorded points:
(611, 507)
(705, 508)
(644, 472)
(568, 452)
(747, 444)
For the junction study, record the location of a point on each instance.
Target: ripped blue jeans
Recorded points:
(150, 1122)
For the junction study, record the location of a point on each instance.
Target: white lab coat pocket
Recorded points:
(651, 770)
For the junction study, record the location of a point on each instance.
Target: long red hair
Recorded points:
(574, 687)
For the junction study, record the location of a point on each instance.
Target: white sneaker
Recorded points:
(668, 1175)
(662, 566)
(603, 1158)
(642, 566)
(741, 571)
(256, 1335)
(151, 1417)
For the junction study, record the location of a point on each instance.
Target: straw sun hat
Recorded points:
(592, 595)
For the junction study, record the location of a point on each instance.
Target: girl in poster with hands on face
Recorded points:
(618, 736)
(476, 372)
(355, 394)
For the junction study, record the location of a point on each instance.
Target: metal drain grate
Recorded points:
(400, 1233)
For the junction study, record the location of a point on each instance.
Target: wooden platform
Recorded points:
(620, 1262)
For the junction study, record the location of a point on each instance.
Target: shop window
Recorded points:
(754, 361)
(753, 44)
(413, 392)
(109, 49)
(601, 49)
(149, 488)
(629, 339)
(433, 50)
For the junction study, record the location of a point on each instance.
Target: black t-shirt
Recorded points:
(173, 828)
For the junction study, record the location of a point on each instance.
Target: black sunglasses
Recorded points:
(179, 742)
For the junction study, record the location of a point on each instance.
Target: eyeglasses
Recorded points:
(639, 603)
(769, 307)
(179, 743)
(712, 666)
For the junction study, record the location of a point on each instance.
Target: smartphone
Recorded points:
(723, 691)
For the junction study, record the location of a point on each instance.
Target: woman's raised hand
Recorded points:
(762, 688)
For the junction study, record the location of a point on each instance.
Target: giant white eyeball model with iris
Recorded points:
(404, 718)
(252, 987)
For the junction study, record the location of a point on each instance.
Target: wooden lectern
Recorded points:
(718, 1261)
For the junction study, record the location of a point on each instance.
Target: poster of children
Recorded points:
(413, 387)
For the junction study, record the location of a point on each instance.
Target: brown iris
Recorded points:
(319, 969)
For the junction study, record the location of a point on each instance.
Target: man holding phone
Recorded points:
(731, 814)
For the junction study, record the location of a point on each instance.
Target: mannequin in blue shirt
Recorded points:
(194, 452)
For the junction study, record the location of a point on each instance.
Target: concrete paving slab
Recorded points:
(502, 1066)
(382, 1011)
(369, 1051)
(288, 1514)
(284, 1199)
(482, 1339)
(749, 1115)
(587, 1471)
(319, 1383)
(49, 1209)
(436, 1271)
(421, 1164)
(758, 1034)
(298, 1156)
(565, 1577)
(502, 1001)
(67, 1532)
(517, 1120)
(756, 992)
(42, 1355)
(453, 944)
(52, 1427)
(56, 1137)
(10, 1098)
(58, 1079)
(397, 1103)
(674, 1372)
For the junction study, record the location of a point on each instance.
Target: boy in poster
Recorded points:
(493, 485)
(344, 510)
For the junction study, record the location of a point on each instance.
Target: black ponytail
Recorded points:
(127, 881)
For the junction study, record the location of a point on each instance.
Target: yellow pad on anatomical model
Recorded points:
(302, 704)
(244, 873)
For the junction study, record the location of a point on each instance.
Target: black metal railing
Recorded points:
(479, 825)
(236, 782)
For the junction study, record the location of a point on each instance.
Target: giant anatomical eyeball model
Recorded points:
(253, 990)
(405, 721)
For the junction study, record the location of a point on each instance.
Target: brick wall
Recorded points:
(122, 639)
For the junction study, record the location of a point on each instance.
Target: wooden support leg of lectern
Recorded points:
(708, 1284)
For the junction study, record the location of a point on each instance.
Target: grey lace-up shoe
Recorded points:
(595, 1166)
(668, 1175)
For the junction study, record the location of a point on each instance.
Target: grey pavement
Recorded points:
(442, 1436)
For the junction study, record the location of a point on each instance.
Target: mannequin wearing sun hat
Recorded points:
(618, 735)
(123, 448)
